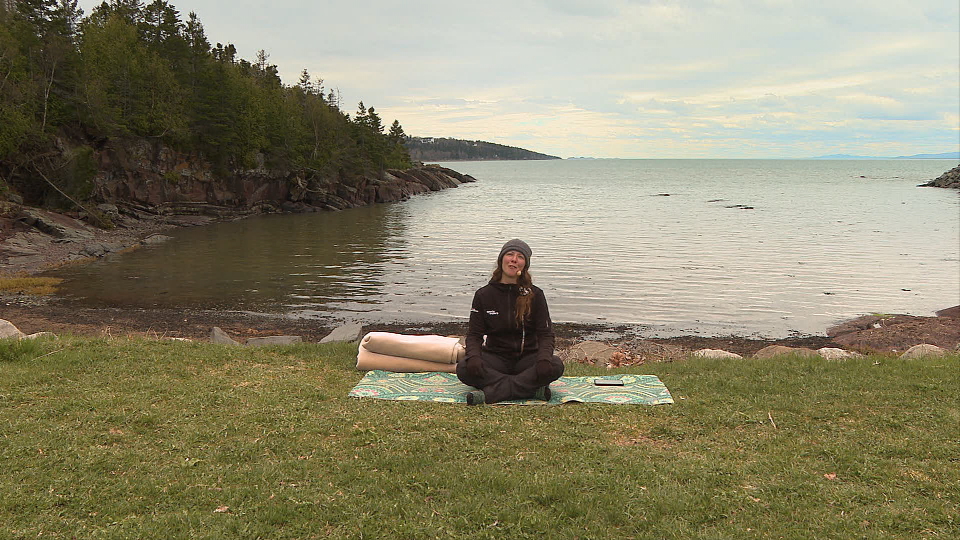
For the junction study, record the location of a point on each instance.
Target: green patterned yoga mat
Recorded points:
(445, 387)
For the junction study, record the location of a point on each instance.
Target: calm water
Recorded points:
(678, 246)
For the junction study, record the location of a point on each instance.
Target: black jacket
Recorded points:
(493, 314)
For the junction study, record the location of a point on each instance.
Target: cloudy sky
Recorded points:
(627, 78)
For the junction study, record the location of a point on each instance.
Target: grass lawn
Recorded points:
(135, 438)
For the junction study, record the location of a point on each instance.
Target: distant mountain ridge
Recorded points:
(944, 155)
(445, 149)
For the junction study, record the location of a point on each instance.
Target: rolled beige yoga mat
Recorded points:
(368, 361)
(440, 349)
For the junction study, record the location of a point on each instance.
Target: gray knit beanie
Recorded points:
(516, 245)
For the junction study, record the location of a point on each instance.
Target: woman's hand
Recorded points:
(475, 367)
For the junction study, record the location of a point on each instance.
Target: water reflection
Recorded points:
(268, 263)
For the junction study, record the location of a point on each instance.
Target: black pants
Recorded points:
(503, 379)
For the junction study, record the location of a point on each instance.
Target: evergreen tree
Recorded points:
(333, 100)
(130, 11)
(374, 122)
(164, 32)
(227, 55)
(65, 19)
(360, 118)
(396, 132)
(196, 37)
(397, 155)
(305, 83)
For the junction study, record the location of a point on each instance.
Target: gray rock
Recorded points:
(219, 336)
(924, 350)
(346, 333)
(93, 250)
(17, 251)
(273, 340)
(99, 249)
(55, 225)
(109, 210)
(8, 330)
(77, 235)
(28, 239)
(155, 239)
(833, 353)
(715, 353)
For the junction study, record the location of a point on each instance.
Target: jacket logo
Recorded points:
(492, 312)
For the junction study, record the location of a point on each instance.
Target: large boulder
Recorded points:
(8, 330)
(924, 350)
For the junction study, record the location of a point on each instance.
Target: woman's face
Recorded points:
(511, 265)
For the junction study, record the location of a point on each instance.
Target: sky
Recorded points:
(626, 78)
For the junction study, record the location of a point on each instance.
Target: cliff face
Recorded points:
(156, 178)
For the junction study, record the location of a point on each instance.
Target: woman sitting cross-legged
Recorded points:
(509, 344)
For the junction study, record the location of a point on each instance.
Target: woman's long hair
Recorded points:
(525, 299)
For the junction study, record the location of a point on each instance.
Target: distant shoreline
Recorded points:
(820, 158)
(945, 155)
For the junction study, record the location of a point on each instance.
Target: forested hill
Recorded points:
(133, 84)
(441, 149)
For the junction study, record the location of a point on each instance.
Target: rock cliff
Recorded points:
(154, 178)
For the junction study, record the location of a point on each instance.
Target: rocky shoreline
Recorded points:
(949, 179)
(614, 346)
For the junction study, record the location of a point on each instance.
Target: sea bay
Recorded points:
(712, 247)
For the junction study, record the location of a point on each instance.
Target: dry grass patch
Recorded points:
(29, 285)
